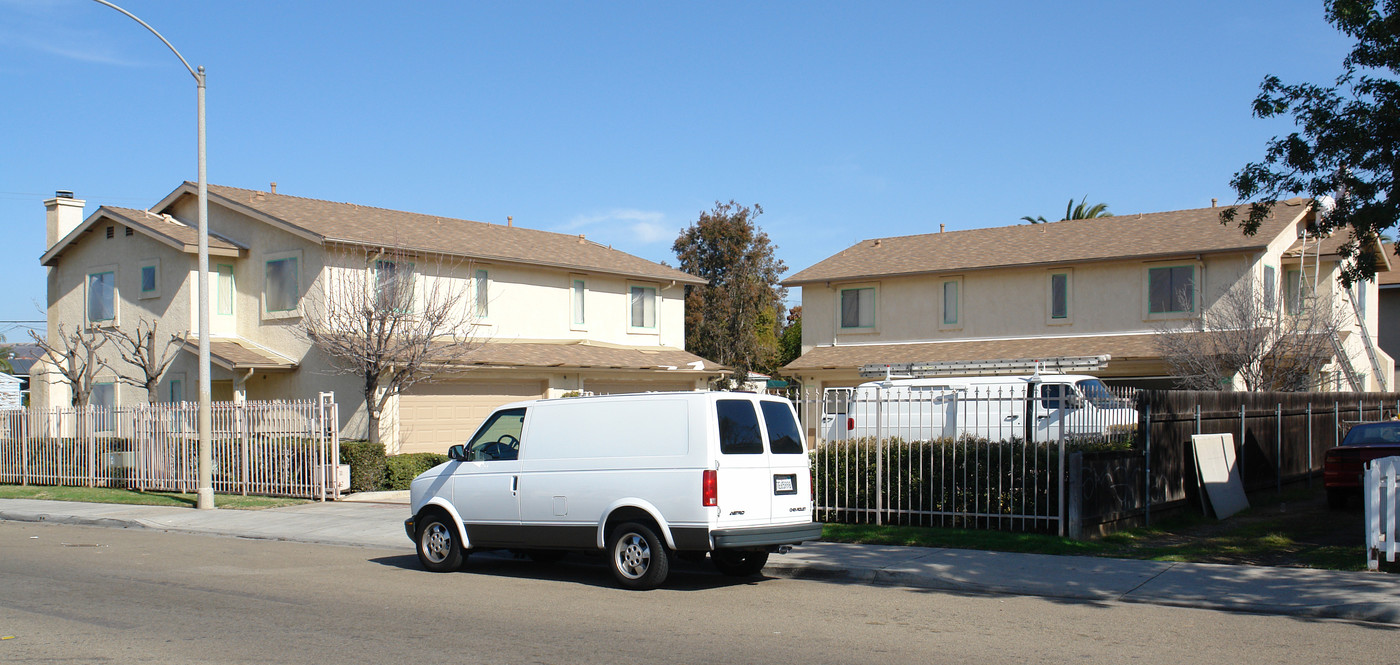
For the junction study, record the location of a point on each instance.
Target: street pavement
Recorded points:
(376, 520)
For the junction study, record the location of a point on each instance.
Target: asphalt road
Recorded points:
(93, 595)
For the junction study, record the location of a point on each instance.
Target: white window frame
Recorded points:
(960, 299)
(1050, 318)
(841, 291)
(1295, 290)
(481, 293)
(219, 290)
(154, 265)
(578, 302)
(1197, 277)
(655, 289)
(295, 311)
(87, 297)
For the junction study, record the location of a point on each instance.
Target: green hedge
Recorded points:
(402, 469)
(367, 464)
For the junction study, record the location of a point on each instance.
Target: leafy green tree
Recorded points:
(732, 320)
(1348, 144)
(790, 341)
(1072, 211)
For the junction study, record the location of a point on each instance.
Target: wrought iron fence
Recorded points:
(275, 448)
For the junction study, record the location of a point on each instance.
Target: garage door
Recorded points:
(434, 416)
(616, 387)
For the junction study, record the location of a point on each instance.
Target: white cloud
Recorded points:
(623, 225)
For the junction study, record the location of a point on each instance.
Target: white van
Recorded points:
(991, 407)
(641, 477)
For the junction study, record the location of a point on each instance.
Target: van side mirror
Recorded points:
(457, 453)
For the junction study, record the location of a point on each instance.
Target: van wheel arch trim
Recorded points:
(662, 526)
(443, 505)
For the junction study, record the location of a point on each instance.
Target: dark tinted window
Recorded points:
(499, 437)
(1372, 434)
(738, 428)
(783, 437)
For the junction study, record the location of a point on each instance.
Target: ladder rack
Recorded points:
(1060, 365)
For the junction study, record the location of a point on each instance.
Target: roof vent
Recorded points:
(274, 187)
(63, 194)
(1213, 201)
(941, 227)
(510, 221)
(877, 242)
(580, 238)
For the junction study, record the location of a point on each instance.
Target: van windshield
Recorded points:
(1096, 393)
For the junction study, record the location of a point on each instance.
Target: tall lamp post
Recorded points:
(205, 493)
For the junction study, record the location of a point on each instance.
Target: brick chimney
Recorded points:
(63, 213)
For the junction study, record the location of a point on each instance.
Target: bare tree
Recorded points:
(380, 316)
(149, 353)
(75, 358)
(1247, 333)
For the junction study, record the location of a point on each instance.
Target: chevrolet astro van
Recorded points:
(642, 478)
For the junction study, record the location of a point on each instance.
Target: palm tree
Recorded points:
(1072, 211)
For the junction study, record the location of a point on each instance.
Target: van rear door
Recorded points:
(791, 483)
(745, 484)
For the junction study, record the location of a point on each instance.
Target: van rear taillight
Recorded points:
(850, 424)
(709, 491)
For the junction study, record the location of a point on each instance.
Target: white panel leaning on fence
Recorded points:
(1382, 476)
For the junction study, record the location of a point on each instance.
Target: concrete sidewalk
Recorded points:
(376, 521)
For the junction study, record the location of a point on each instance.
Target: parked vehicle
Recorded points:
(1342, 466)
(640, 477)
(1043, 406)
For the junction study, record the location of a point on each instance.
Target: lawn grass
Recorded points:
(113, 495)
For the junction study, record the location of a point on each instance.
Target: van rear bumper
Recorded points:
(787, 534)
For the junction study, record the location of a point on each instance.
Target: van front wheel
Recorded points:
(439, 548)
(735, 563)
(637, 557)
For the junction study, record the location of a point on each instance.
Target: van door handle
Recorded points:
(514, 484)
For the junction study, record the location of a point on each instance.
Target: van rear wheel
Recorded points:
(637, 557)
(439, 547)
(736, 563)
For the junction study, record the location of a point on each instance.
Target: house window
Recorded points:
(102, 296)
(280, 290)
(1059, 296)
(1171, 289)
(950, 303)
(643, 307)
(103, 395)
(150, 279)
(483, 290)
(225, 288)
(577, 292)
(1270, 289)
(393, 283)
(858, 308)
(1293, 291)
(177, 390)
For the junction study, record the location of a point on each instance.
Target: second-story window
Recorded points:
(1270, 289)
(393, 284)
(643, 307)
(102, 296)
(950, 303)
(1171, 289)
(280, 290)
(1059, 296)
(577, 291)
(225, 289)
(482, 288)
(1293, 291)
(858, 308)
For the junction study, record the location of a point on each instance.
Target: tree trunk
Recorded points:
(373, 434)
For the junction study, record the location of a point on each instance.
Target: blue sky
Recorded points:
(623, 121)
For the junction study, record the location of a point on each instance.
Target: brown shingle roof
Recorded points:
(170, 231)
(1391, 276)
(328, 221)
(1119, 347)
(586, 355)
(237, 354)
(1145, 235)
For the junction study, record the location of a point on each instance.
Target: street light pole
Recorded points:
(205, 492)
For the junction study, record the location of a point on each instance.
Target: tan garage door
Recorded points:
(615, 387)
(433, 416)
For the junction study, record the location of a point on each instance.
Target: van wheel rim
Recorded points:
(437, 542)
(633, 556)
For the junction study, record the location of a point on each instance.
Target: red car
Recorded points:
(1342, 467)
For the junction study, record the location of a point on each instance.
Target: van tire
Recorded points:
(739, 563)
(637, 557)
(438, 544)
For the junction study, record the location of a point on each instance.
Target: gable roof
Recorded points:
(347, 223)
(1390, 277)
(162, 228)
(1140, 236)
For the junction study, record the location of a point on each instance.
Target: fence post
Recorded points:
(1241, 460)
(1278, 447)
(1147, 467)
(879, 457)
(1076, 495)
(1336, 423)
(1198, 417)
(1310, 455)
(240, 415)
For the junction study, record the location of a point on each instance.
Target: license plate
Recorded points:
(786, 484)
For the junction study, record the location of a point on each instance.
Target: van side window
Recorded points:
(738, 428)
(783, 437)
(499, 437)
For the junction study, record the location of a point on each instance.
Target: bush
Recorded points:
(402, 469)
(367, 464)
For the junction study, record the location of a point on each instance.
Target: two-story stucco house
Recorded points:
(553, 313)
(1071, 288)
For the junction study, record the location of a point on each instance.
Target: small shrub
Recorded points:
(367, 464)
(402, 469)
